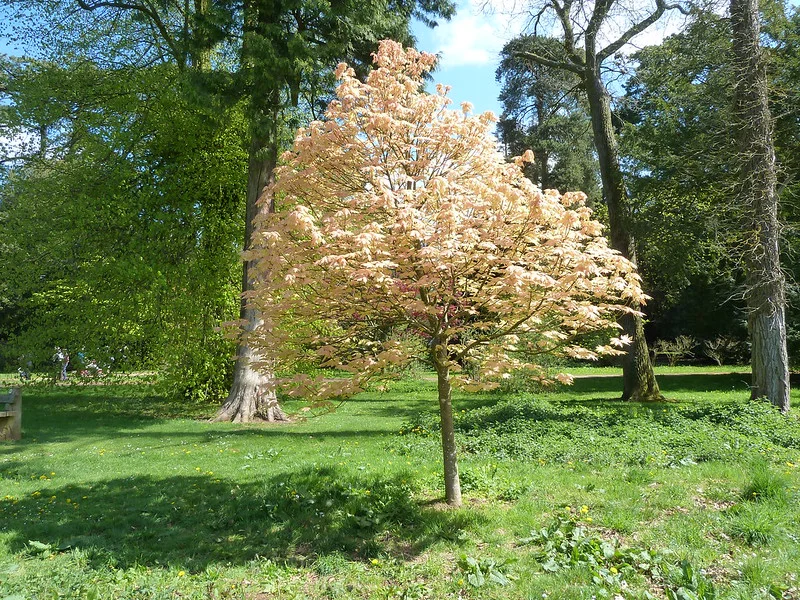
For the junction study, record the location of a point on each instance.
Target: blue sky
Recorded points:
(469, 46)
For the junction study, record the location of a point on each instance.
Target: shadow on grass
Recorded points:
(193, 522)
(716, 382)
(63, 414)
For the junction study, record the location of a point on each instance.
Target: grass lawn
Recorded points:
(116, 493)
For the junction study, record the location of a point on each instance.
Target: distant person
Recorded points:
(62, 356)
(24, 369)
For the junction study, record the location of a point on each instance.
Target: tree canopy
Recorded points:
(400, 231)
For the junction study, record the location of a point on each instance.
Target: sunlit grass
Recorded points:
(115, 492)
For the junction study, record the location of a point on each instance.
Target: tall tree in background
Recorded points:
(273, 58)
(584, 26)
(281, 41)
(681, 168)
(543, 110)
(102, 246)
(678, 158)
(757, 194)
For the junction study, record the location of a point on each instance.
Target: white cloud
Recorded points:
(475, 36)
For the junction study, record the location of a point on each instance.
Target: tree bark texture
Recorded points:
(757, 195)
(639, 381)
(249, 399)
(452, 483)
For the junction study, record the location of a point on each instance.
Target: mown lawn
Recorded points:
(116, 493)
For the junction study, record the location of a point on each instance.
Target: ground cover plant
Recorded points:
(115, 492)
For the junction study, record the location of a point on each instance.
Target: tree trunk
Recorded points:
(757, 195)
(542, 155)
(201, 55)
(639, 381)
(249, 400)
(452, 484)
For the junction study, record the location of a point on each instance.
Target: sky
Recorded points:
(469, 45)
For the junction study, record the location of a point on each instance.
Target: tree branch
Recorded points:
(547, 62)
(636, 29)
(563, 10)
(150, 13)
(599, 15)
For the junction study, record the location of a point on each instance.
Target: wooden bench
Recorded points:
(11, 415)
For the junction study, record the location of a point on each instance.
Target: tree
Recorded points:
(784, 70)
(681, 168)
(543, 110)
(757, 194)
(584, 25)
(271, 57)
(281, 41)
(108, 249)
(103, 247)
(402, 231)
(678, 159)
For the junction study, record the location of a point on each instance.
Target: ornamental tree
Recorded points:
(400, 231)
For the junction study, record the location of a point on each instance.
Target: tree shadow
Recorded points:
(73, 413)
(673, 382)
(197, 521)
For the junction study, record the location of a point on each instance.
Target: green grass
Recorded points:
(116, 493)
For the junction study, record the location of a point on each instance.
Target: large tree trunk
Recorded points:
(452, 483)
(639, 381)
(757, 195)
(250, 399)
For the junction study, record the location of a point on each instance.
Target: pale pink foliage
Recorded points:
(398, 218)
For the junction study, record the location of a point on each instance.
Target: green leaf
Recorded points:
(476, 579)
(498, 578)
(39, 545)
(551, 566)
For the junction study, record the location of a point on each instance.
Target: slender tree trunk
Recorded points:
(757, 195)
(452, 484)
(249, 398)
(639, 381)
(542, 155)
(201, 57)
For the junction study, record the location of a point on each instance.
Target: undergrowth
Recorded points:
(663, 435)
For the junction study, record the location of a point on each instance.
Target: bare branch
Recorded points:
(547, 62)
(563, 12)
(599, 15)
(637, 28)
